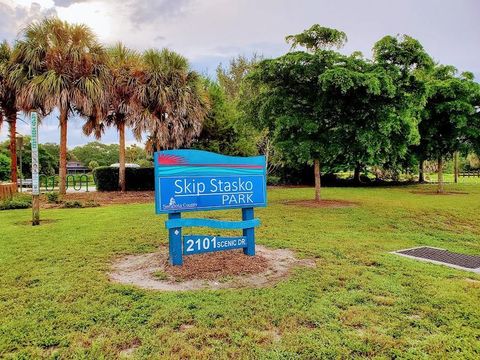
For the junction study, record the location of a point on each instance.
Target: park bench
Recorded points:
(25, 182)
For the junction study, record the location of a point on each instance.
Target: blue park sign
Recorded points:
(194, 180)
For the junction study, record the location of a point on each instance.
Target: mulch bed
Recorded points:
(106, 198)
(217, 265)
(322, 203)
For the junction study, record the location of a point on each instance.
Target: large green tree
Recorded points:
(222, 131)
(231, 78)
(59, 65)
(450, 119)
(8, 107)
(103, 154)
(172, 101)
(48, 159)
(407, 63)
(289, 98)
(289, 104)
(356, 98)
(377, 105)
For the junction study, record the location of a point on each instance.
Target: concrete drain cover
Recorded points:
(443, 257)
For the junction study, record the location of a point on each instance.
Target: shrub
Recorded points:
(273, 180)
(75, 204)
(53, 197)
(4, 167)
(106, 178)
(91, 203)
(144, 163)
(18, 202)
(93, 165)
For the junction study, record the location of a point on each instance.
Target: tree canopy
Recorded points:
(172, 98)
(318, 37)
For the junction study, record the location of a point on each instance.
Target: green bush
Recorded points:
(4, 167)
(93, 164)
(91, 203)
(75, 204)
(144, 163)
(106, 178)
(53, 197)
(18, 202)
(273, 180)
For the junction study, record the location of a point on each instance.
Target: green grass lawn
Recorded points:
(359, 301)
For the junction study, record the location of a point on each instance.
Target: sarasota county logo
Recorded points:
(172, 205)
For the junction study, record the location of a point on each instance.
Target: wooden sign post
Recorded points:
(35, 184)
(194, 180)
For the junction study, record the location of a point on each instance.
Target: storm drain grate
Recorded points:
(445, 257)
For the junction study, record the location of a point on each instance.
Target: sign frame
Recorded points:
(208, 181)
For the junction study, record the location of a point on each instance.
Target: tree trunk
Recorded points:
(356, 174)
(440, 175)
(62, 170)
(121, 169)
(316, 169)
(455, 166)
(12, 123)
(421, 172)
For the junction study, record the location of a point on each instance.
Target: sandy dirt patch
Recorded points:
(221, 270)
(322, 203)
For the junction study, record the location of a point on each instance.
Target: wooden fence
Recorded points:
(7, 190)
(474, 173)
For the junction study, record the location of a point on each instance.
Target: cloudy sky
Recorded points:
(209, 32)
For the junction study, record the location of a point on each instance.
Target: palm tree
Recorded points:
(171, 99)
(8, 109)
(56, 64)
(119, 110)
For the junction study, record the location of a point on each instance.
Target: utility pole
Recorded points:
(35, 184)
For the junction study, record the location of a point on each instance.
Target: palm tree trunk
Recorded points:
(316, 170)
(440, 189)
(62, 170)
(12, 123)
(121, 169)
(421, 170)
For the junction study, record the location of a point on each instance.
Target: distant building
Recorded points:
(76, 167)
(127, 165)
